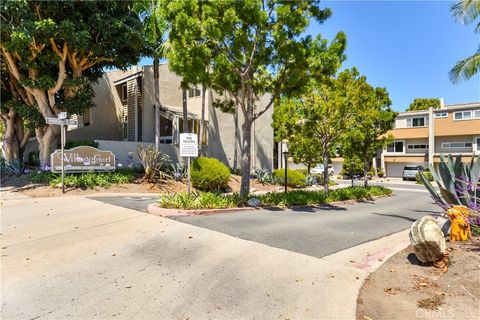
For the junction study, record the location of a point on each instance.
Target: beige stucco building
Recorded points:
(422, 136)
(124, 116)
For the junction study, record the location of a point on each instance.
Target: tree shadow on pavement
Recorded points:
(395, 216)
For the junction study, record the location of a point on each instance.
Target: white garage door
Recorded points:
(395, 169)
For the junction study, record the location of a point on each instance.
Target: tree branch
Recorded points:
(11, 64)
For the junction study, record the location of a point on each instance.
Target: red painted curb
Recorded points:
(163, 212)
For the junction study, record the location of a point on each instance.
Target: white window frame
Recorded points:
(417, 144)
(476, 114)
(195, 90)
(446, 145)
(410, 122)
(440, 114)
(462, 113)
(394, 152)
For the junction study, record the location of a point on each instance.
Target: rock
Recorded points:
(445, 225)
(427, 239)
(253, 190)
(253, 202)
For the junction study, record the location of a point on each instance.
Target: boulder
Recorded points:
(254, 202)
(427, 239)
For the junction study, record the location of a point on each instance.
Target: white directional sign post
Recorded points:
(188, 148)
(62, 121)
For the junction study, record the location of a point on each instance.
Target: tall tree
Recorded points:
(55, 49)
(466, 12)
(252, 48)
(373, 117)
(419, 104)
(321, 115)
(156, 46)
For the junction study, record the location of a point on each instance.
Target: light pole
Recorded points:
(285, 156)
(351, 170)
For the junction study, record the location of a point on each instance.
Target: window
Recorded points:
(417, 146)
(86, 118)
(194, 92)
(416, 122)
(478, 143)
(476, 114)
(166, 130)
(456, 145)
(462, 115)
(124, 93)
(396, 147)
(440, 114)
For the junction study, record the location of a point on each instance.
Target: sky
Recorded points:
(406, 46)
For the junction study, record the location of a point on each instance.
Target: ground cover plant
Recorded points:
(83, 180)
(209, 200)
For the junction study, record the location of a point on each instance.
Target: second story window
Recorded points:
(396, 147)
(476, 114)
(194, 92)
(440, 114)
(462, 115)
(416, 122)
(124, 93)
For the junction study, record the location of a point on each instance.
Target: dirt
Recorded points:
(404, 288)
(22, 185)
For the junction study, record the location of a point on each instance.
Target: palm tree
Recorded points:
(156, 45)
(466, 12)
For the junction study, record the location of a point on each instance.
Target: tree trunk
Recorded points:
(325, 172)
(156, 83)
(202, 121)
(246, 157)
(308, 168)
(236, 141)
(11, 147)
(365, 171)
(47, 143)
(185, 110)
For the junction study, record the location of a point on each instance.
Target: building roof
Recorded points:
(448, 107)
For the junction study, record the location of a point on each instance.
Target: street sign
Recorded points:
(55, 121)
(70, 122)
(188, 148)
(62, 115)
(188, 145)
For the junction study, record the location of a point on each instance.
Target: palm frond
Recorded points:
(466, 11)
(466, 68)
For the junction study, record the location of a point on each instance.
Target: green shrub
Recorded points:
(77, 143)
(427, 174)
(83, 180)
(33, 158)
(209, 174)
(204, 200)
(347, 166)
(294, 177)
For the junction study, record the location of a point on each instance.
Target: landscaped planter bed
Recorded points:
(215, 203)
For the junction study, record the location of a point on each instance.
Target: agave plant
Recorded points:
(263, 176)
(458, 182)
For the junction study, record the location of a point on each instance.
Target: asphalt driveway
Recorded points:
(322, 231)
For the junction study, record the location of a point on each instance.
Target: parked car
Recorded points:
(410, 172)
(318, 169)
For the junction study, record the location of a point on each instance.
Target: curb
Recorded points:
(153, 209)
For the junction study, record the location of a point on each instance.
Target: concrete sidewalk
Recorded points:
(73, 257)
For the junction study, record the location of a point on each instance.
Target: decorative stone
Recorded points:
(253, 202)
(427, 239)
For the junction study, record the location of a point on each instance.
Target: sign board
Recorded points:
(59, 122)
(62, 115)
(83, 159)
(188, 145)
(56, 121)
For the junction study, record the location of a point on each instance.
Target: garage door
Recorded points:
(394, 169)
